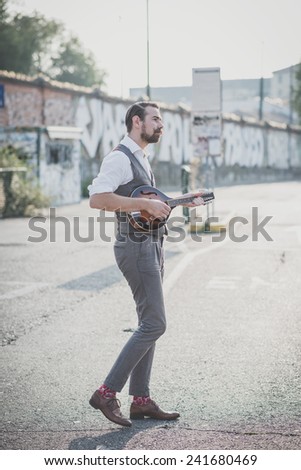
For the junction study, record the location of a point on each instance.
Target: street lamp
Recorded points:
(261, 85)
(147, 52)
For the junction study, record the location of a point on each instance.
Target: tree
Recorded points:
(33, 44)
(73, 64)
(297, 93)
(24, 40)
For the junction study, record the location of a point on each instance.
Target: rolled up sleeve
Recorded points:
(114, 171)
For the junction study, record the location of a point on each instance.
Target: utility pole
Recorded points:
(290, 117)
(147, 52)
(261, 83)
(261, 97)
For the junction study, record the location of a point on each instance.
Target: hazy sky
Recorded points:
(245, 38)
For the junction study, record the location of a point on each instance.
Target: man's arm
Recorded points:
(113, 202)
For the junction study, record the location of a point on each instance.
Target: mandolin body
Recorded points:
(143, 221)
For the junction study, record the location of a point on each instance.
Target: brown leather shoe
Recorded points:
(110, 407)
(151, 410)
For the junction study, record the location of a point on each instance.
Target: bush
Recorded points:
(11, 157)
(22, 194)
(84, 187)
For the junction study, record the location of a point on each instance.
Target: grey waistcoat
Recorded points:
(141, 177)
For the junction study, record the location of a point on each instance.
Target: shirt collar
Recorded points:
(131, 144)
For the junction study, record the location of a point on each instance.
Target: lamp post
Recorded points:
(147, 52)
(261, 85)
(261, 98)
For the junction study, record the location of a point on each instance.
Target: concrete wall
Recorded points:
(247, 144)
(265, 145)
(103, 126)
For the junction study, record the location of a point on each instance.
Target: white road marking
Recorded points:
(223, 282)
(170, 281)
(217, 282)
(26, 289)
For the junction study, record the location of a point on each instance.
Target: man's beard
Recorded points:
(150, 138)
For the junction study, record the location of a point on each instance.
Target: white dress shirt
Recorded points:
(116, 168)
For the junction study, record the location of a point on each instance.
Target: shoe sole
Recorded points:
(152, 417)
(137, 417)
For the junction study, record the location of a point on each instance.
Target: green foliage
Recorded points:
(22, 195)
(297, 93)
(24, 198)
(84, 187)
(24, 40)
(11, 157)
(34, 44)
(74, 65)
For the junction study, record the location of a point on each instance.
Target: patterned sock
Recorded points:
(106, 392)
(141, 400)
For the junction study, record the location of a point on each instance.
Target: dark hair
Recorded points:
(137, 109)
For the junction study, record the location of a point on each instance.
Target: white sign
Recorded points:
(206, 90)
(206, 112)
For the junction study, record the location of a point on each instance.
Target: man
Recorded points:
(141, 260)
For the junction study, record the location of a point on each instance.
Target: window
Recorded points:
(59, 153)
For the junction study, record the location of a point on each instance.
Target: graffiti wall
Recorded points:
(103, 126)
(247, 145)
(261, 146)
(244, 144)
(101, 118)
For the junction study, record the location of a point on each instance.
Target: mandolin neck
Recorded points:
(178, 201)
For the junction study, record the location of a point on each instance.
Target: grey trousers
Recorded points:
(142, 264)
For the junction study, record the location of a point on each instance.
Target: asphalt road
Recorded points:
(229, 361)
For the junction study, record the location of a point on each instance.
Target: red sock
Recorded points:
(141, 400)
(106, 392)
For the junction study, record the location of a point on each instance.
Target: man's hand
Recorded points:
(156, 208)
(114, 202)
(198, 200)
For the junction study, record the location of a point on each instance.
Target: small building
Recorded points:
(53, 153)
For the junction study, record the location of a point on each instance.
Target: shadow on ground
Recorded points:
(115, 440)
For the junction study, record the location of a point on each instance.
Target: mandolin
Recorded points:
(144, 222)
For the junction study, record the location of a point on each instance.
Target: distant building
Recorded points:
(232, 91)
(241, 97)
(283, 81)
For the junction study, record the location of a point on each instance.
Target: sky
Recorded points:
(245, 38)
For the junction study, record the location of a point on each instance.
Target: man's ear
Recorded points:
(136, 121)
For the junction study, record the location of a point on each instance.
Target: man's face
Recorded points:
(152, 125)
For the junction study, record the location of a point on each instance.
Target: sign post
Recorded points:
(2, 101)
(206, 120)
